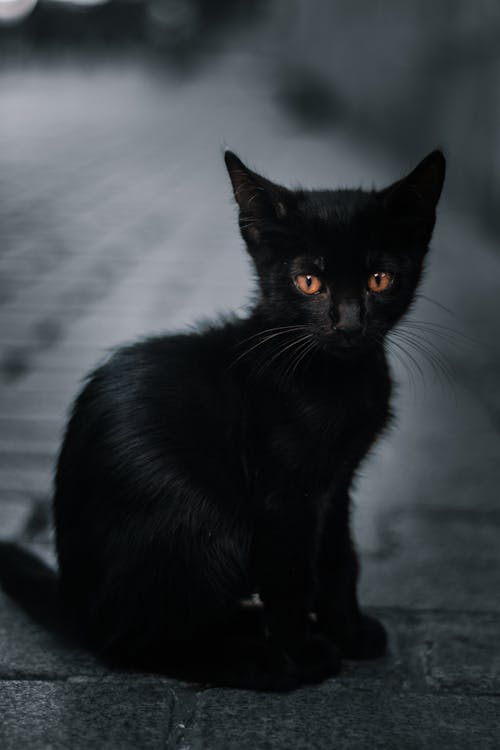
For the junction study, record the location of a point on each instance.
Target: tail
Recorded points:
(33, 586)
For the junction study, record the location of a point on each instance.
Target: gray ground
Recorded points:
(117, 220)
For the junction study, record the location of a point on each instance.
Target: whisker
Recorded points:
(270, 330)
(418, 346)
(298, 356)
(438, 304)
(432, 354)
(401, 360)
(438, 327)
(426, 343)
(441, 335)
(406, 367)
(255, 346)
(410, 357)
(280, 352)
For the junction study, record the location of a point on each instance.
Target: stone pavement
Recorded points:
(116, 221)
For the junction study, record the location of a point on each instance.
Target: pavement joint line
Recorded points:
(185, 707)
(97, 678)
(186, 697)
(435, 611)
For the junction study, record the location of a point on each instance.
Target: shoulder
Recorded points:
(169, 350)
(162, 364)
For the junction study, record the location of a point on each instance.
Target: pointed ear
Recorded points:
(414, 198)
(260, 201)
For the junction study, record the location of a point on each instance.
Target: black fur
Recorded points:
(198, 469)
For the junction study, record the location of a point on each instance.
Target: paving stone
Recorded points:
(30, 448)
(28, 650)
(27, 472)
(43, 381)
(458, 652)
(26, 460)
(35, 404)
(438, 560)
(40, 527)
(25, 428)
(330, 716)
(30, 481)
(431, 651)
(68, 357)
(15, 512)
(103, 713)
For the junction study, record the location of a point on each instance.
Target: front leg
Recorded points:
(359, 636)
(284, 567)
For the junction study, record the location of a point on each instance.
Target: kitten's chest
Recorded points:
(350, 413)
(328, 428)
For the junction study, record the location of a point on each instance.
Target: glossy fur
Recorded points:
(201, 468)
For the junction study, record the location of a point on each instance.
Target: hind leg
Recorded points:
(187, 621)
(218, 645)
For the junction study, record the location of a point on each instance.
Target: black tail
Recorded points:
(33, 585)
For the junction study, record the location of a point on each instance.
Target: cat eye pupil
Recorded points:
(308, 284)
(379, 281)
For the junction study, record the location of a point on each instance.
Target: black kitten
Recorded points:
(199, 469)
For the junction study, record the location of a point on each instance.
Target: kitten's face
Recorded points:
(344, 264)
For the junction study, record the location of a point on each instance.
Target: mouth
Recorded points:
(341, 342)
(346, 346)
(345, 340)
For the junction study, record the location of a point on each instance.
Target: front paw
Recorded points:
(367, 639)
(316, 658)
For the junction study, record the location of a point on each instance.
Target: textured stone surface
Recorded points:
(458, 652)
(433, 651)
(28, 650)
(106, 713)
(329, 716)
(15, 512)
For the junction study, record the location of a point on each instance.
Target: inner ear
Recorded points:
(259, 199)
(418, 193)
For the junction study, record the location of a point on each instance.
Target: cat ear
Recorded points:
(414, 198)
(260, 201)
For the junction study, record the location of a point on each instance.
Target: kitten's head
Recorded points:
(343, 263)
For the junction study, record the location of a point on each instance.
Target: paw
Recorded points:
(256, 664)
(282, 674)
(367, 640)
(317, 658)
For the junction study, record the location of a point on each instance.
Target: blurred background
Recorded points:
(117, 220)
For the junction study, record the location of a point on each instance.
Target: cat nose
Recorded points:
(349, 322)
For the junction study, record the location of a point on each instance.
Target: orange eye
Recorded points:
(379, 281)
(308, 284)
